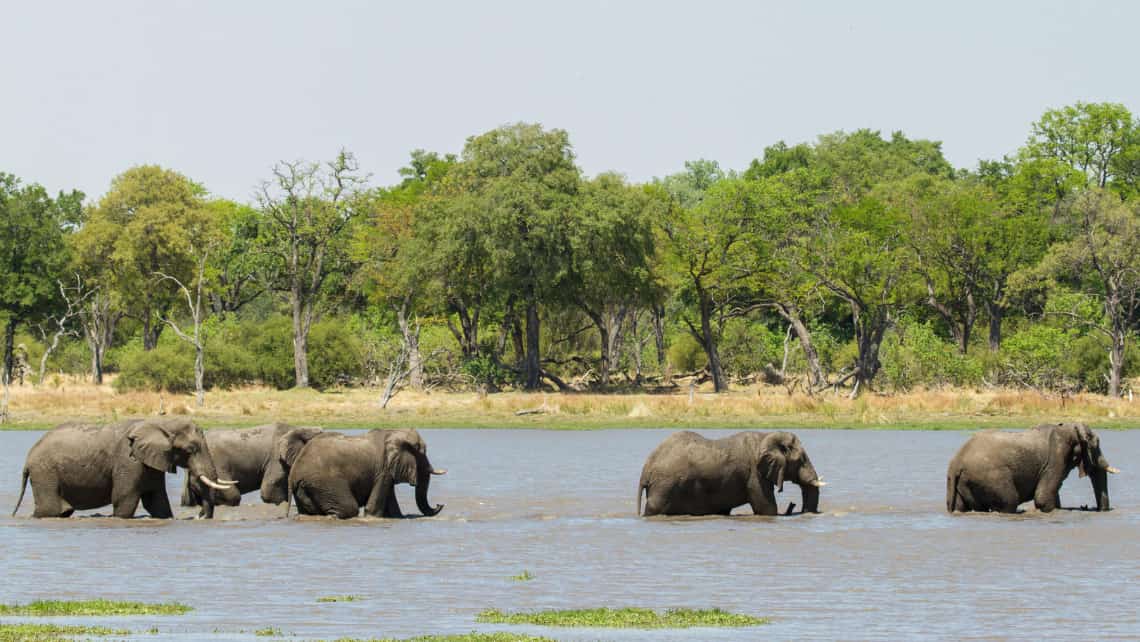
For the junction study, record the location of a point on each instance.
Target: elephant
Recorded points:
(257, 458)
(688, 474)
(338, 474)
(78, 466)
(998, 471)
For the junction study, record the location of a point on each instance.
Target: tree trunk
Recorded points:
(9, 340)
(467, 334)
(410, 331)
(869, 336)
(531, 368)
(995, 313)
(1116, 361)
(708, 341)
(791, 314)
(300, 342)
(658, 320)
(199, 370)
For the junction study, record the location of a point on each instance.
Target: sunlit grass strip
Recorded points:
(53, 632)
(624, 618)
(525, 576)
(340, 598)
(92, 607)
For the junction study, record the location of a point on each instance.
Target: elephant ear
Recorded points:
(1084, 436)
(773, 461)
(151, 444)
(290, 444)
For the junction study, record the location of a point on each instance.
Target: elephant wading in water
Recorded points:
(337, 474)
(998, 471)
(256, 458)
(83, 466)
(688, 474)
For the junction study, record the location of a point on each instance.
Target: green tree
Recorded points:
(1100, 140)
(520, 180)
(612, 248)
(136, 231)
(33, 254)
(307, 208)
(1101, 263)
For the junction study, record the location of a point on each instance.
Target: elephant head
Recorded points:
(1076, 446)
(782, 458)
(275, 481)
(406, 462)
(170, 443)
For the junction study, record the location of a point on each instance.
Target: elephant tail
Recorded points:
(952, 490)
(23, 487)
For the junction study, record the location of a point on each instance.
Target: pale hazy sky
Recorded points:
(220, 90)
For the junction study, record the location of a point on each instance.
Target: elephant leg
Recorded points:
(392, 506)
(762, 498)
(336, 501)
(157, 504)
(656, 501)
(49, 503)
(126, 504)
(993, 495)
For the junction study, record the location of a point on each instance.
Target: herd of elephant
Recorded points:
(79, 466)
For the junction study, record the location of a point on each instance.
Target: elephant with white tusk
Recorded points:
(688, 474)
(84, 466)
(998, 471)
(255, 459)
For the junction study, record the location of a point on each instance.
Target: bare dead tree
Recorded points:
(194, 303)
(75, 302)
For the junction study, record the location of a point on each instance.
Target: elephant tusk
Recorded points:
(439, 471)
(213, 484)
(227, 482)
(1113, 469)
(818, 483)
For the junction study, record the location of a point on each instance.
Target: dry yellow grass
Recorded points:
(742, 407)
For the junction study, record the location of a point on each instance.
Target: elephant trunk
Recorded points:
(201, 468)
(423, 480)
(1099, 477)
(810, 493)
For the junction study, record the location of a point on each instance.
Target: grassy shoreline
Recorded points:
(744, 407)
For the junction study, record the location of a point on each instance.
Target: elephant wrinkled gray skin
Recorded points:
(83, 466)
(688, 474)
(336, 474)
(998, 471)
(256, 458)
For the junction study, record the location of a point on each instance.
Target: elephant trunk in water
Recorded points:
(809, 483)
(424, 471)
(204, 476)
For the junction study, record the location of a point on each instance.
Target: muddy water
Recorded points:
(884, 560)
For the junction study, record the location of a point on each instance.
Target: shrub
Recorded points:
(685, 353)
(913, 354)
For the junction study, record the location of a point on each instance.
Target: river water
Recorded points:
(883, 561)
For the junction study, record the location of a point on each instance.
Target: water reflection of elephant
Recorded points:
(84, 466)
(998, 471)
(256, 458)
(688, 474)
(337, 474)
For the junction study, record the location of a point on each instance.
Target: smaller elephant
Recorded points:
(998, 471)
(256, 458)
(80, 466)
(338, 474)
(688, 474)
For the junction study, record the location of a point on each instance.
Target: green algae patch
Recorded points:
(92, 607)
(339, 598)
(628, 618)
(53, 632)
(463, 637)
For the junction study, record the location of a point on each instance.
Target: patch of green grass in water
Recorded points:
(92, 607)
(525, 576)
(268, 632)
(463, 637)
(52, 632)
(340, 598)
(623, 618)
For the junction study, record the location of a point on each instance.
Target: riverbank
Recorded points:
(744, 407)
